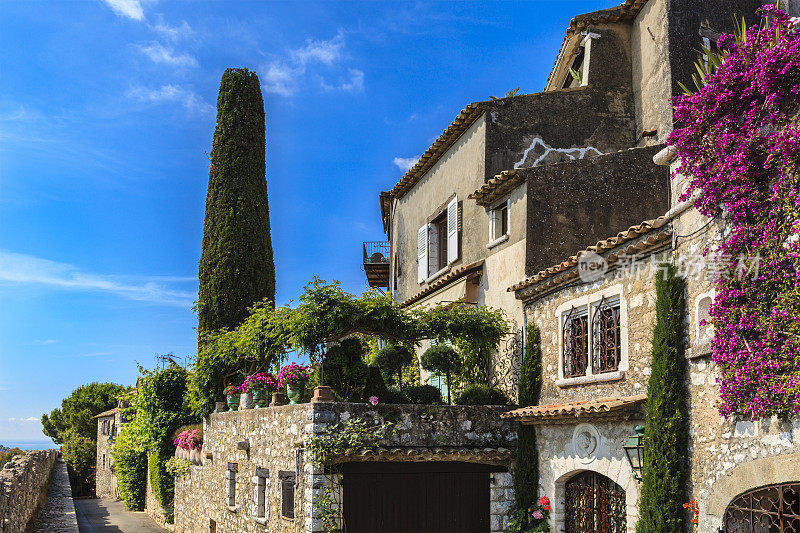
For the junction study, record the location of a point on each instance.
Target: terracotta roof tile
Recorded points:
(495, 456)
(497, 187)
(454, 274)
(576, 411)
(460, 124)
(634, 232)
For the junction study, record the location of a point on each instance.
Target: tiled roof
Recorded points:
(459, 125)
(454, 274)
(623, 12)
(496, 187)
(566, 413)
(554, 276)
(107, 413)
(493, 456)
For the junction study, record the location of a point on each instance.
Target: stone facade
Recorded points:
(108, 427)
(256, 449)
(23, 483)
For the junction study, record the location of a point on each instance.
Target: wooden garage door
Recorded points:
(416, 497)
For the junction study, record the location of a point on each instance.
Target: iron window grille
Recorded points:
(575, 343)
(606, 345)
(774, 508)
(287, 493)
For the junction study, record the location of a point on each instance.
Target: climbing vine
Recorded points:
(350, 437)
(739, 145)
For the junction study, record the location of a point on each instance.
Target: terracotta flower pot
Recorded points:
(278, 398)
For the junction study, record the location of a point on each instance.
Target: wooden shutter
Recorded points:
(452, 230)
(422, 253)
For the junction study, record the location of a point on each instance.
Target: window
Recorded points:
(230, 478)
(287, 493)
(498, 221)
(703, 320)
(592, 338)
(105, 427)
(260, 480)
(104, 461)
(577, 66)
(437, 241)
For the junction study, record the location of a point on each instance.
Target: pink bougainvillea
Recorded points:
(188, 440)
(738, 139)
(293, 375)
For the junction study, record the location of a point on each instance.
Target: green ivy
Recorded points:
(178, 467)
(130, 467)
(526, 465)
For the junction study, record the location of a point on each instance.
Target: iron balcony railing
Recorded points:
(376, 252)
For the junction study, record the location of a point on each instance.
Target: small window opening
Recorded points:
(499, 218)
(230, 475)
(260, 479)
(577, 66)
(287, 493)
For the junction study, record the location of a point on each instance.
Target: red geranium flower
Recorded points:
(544, 500)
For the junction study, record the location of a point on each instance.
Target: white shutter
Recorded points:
(452, 230)
(422, 253)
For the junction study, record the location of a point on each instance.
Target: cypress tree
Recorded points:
(666, 434)
(526, 467)
(236, 265)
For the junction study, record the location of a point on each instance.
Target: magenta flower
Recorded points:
(373, 400)
(537, 514)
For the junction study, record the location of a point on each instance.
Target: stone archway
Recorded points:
(592, 502)
(745, 477)
(620, 476)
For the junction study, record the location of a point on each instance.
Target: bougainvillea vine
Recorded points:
(738, 139)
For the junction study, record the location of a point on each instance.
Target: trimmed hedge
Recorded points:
(130, 467)
(479, 394)
(423, 394)
(526, 466)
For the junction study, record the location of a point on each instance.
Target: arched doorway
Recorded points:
(770, 509)
(594, 503)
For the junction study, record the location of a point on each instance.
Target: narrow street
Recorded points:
(105, 516)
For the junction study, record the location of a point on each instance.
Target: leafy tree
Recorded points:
(526, 468)
(392, 358)
(7, 455)
(75, 428)
(666, 434)
(236, 265)
(443, 359)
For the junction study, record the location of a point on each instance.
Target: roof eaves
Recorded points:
(445, 280)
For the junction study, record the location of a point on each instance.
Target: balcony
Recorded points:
(376, 263)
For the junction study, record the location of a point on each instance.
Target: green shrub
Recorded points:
(392, 358)
(375, 385)
(162, 482)
(344, 370)
(478, 394)
(423, 394)
(526, 466)
(80, 455)
(130, 467)
(443, 359)
(393, 395)
(178, 467)
(666, 433)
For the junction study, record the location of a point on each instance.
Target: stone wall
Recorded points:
(22, 482)
(106, 481)
(265, 442)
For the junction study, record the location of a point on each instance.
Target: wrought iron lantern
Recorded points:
(634, 450)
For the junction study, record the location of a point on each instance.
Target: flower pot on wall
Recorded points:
(233, 402)
(194, 456)
(260, 397)
(246, 401)
(294, 395)
(278, 398)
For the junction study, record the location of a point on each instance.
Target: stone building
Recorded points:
(445, 465)
(108, 427)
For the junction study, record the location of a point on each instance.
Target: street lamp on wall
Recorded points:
(634, 450)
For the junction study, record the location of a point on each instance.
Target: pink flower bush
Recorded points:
(373, 400)
(188, 440)
(739, 144)
(232, 390)
(293, 375)
(262, 380)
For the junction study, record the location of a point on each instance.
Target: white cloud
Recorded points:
(171, 93)
(159, 53)
(405, 163)
(355, 83)
(44, 342)
(29, 419)
(326, 52)
(172, 33)
(22, 269)
(281, 79)
(131, 9)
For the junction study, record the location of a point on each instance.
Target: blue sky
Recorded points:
(107, 110)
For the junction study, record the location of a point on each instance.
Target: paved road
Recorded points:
(104, 516)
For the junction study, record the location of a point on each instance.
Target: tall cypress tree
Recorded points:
(666, 434)
(526, 467)
(236, 266)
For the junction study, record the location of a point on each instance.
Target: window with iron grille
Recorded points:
(774, 508)
(230, 478)
(287, 493)
(606, 345)
(575, 342)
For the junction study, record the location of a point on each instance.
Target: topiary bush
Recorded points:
(394, 396)
(443, 359)
(375, 385)
(479, 394)
(392, 358)
(526, 465)
(423, 394)
(343, 369)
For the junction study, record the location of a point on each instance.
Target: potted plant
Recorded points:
(188, 445)
(294, 377)
(232, 395)
(534, 519)
(262, 385)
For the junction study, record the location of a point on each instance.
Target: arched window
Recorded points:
(592, 503)
(770, 509)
